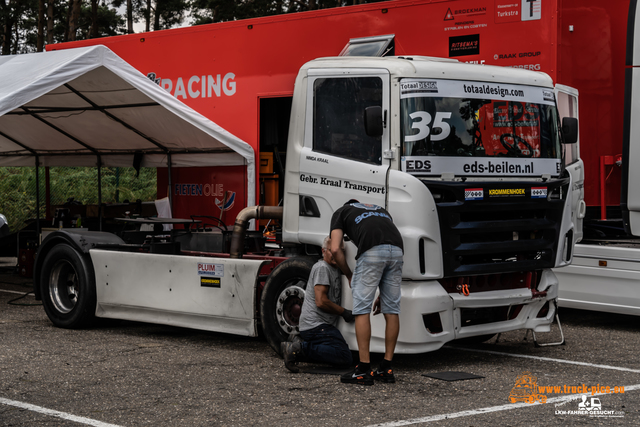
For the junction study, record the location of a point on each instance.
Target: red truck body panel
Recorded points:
(223, 70)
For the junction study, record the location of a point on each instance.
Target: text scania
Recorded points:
(503, 167)
(368, 214)
(201, 86)
(488, 90)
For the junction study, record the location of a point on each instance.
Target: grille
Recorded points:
(482, 316)
(499, 227)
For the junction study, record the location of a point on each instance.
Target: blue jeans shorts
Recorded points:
(380, 266)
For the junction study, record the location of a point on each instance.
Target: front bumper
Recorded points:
(460, 316)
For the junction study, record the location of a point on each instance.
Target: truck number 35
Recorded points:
(422, 120)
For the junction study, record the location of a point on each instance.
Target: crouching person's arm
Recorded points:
(325, 304)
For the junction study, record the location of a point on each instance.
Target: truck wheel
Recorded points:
(282, 297)
(68, 289)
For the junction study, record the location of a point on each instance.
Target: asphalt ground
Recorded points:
(123, 373)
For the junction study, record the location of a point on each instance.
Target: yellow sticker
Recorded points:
(210, 282)
(501, 192)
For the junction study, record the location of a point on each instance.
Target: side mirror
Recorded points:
(569, 130)
(373, 121)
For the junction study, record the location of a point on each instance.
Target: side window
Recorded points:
(568, 107)
(338, 117)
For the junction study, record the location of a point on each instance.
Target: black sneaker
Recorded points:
(357, 377)
(291, 351)
(295, 338)
(384, 375)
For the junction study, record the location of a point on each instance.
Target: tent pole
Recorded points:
(37, 199)
(170, 183)
(100, 192)
(47, 192)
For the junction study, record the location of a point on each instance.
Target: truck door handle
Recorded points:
(309, 207)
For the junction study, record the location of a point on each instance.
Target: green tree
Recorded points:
(163, 14)
(107, 22)
(15, 15)
(209, 11)
(41, 25)
(169, 13)
(75, 7)
(133, 10)
(28, 24)
(18, 189)
(18, 200)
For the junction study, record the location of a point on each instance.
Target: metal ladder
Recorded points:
(535, 339)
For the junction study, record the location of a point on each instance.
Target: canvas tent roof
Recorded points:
(72, 107)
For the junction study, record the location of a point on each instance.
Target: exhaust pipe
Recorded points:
(242, 222)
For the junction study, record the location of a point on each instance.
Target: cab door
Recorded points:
(339, 160)
(567, 100)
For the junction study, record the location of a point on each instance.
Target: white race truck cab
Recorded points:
(468, 161)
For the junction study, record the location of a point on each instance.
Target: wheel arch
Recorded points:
(80, 240)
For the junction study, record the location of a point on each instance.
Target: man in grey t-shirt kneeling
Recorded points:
(322, 341)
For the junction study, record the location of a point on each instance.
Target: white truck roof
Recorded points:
(431, 67)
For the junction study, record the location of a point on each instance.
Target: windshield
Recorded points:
(476, 128)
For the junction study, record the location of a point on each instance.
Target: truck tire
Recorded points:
(281, 301)
(68, 288)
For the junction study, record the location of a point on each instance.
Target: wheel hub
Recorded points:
(289, 308)
(63, 286)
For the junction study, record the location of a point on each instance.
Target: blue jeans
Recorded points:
(325, 344)
(380, 266)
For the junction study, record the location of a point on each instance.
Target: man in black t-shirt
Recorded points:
(378, 265)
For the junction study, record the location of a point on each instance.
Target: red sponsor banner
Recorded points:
(507, 11)
(500, 119)
(218, 192)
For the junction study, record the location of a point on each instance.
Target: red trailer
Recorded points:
(249, 66)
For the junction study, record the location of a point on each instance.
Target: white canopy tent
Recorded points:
(88, 107)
